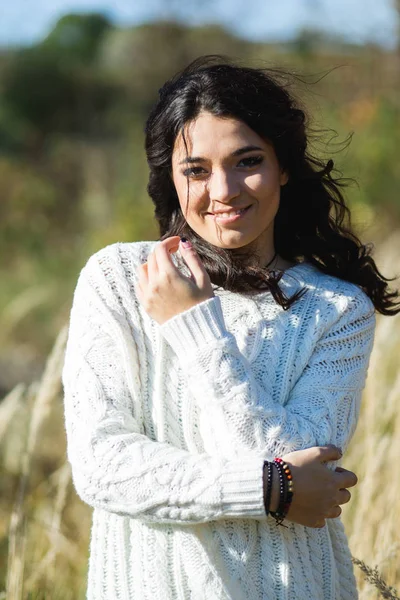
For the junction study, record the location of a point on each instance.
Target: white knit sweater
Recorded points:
(168, 427)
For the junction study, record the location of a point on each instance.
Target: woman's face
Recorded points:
(234, 183)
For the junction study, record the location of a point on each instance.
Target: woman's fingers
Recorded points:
(162, 253)
(164, 291)
(152, 269)
(345, 478)
(142, 273)
(335, 512)
(344, 496)
(160, 261)
(165, 264)
(320, 454)
(193, 262)
(328, 453)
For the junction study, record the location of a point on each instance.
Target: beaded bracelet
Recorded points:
(279, 513)
(289, 481)
(285, 490)
(267, 496)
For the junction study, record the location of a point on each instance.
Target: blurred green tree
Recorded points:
(142, 58)
(53, 87)
(77, 37)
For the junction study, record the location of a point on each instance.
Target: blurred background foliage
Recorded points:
(72, 166)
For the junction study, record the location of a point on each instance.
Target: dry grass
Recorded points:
(42, 532)
(371, 518)
(44, 527)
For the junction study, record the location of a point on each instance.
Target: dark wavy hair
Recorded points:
(313, 221)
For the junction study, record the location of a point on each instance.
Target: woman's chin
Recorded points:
(232, 242)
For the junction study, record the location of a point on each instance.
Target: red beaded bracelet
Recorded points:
(285, 490)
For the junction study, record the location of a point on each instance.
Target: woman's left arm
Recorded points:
(322, 407)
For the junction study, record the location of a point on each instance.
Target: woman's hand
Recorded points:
(318, 491)
(163, 290)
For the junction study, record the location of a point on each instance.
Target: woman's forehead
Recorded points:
(209, 134)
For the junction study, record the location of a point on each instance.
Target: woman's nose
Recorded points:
(223, 186)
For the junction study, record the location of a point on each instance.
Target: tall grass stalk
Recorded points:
(48, 389)
(9, 406)
(56, 539)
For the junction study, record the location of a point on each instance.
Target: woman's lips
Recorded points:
(230, 216)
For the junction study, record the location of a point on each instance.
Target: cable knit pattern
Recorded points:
(168, 427)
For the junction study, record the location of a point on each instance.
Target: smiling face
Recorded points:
(234, 183)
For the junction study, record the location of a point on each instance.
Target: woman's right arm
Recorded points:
(115, 466)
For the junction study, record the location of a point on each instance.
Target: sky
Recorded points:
(24, 22)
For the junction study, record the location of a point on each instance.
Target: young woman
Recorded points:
(242, 336)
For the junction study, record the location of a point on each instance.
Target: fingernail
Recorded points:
(185, 242)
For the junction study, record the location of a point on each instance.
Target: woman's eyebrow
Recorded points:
(245, 149)
(191, 159)
(238, 152)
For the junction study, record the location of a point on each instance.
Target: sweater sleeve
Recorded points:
(115, 466)
(238, 416)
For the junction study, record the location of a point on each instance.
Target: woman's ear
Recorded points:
(284, 177)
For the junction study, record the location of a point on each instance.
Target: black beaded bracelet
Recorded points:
(267, 496)
(279, 514)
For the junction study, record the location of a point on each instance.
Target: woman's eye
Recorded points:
(193, 171)
(251, 161)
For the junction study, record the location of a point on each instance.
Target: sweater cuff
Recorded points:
(243, 488)
(199, 326)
